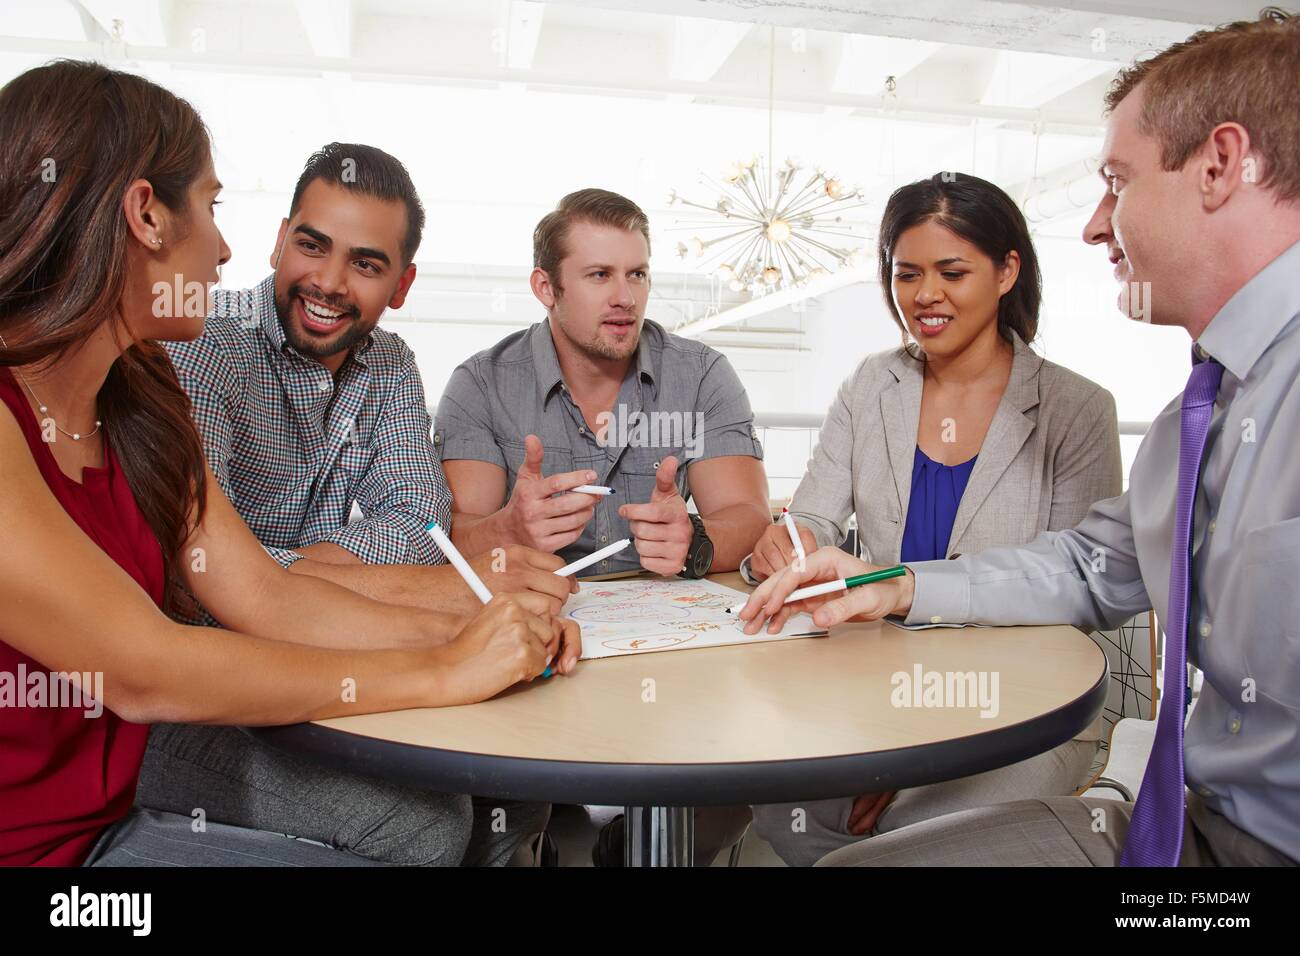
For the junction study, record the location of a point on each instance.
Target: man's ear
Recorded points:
(1224, 163)
(279, 243)
(148, 220)
(403, 287)
(543, 288)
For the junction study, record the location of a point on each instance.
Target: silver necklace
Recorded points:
(75, 436)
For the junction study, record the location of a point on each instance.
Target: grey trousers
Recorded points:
(153, 838)
(803, 833)
(228, 777)
(1053, 831)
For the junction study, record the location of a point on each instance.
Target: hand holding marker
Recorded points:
(841, 584)
(592, 558)
(458, 561)
(794, 536)
(599, 490)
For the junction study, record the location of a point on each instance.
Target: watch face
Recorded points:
(703, 558)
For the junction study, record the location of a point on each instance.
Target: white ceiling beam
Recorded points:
(523, 31)
(700, 47)
(1029, 80)
(143, 22)
(570, 79)
(1115, 30)
(866, 61)
(776, 300)
(41, 20)
(328, 25)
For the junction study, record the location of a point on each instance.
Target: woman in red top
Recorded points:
(109, 513)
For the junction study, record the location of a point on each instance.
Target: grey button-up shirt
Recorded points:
(1242, 742)
(679, 398)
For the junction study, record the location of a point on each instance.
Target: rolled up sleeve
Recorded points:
(463, 426)
(726, 419)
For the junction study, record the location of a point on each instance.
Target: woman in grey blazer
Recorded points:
(961, 439)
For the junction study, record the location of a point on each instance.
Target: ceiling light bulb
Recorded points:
(778, 230)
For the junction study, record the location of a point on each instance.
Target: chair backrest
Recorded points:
(1132, 650)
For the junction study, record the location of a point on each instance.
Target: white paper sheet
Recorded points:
(665, 614)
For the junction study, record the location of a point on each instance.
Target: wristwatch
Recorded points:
(699, 557)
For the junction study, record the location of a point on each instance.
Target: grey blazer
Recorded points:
(1051, 450)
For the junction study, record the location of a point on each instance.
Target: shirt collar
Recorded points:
(546, 363)
(264, 297)
(1248, 323)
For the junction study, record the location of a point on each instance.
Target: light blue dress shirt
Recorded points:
(1242, 742)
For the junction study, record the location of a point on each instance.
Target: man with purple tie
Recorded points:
(1202, 220)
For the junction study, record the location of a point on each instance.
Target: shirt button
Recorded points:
(1205, 629)
(1212, 523)
(437, 439)
(582, 431)
(604, 538)
(324, 386)
(936, 619)
(1234, 725)
(1205, 791)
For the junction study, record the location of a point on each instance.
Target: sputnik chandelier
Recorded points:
(777, 231)
(780, 229)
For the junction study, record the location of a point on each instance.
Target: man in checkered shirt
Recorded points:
(307, 407)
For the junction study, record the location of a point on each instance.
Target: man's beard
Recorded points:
(601, 350)
(353, 331)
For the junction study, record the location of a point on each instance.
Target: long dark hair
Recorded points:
(73, 136)
(984, 216)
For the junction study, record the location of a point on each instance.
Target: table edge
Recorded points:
(708, 784)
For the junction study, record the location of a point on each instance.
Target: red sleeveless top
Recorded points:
(65, 776)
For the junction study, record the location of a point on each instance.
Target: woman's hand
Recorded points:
(513, 638)
(773, 551)
(865, 603)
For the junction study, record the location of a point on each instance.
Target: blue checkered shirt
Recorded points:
(293, 447)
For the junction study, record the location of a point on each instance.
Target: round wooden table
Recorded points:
(871, 707)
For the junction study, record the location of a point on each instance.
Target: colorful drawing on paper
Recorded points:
(659, 614)
(633, 644)
(627, 612)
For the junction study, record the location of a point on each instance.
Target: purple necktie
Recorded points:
(1155, 836)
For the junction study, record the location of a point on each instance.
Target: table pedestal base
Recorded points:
(659, 836)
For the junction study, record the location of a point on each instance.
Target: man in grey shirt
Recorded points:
(1202, 218)
(599, 395)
